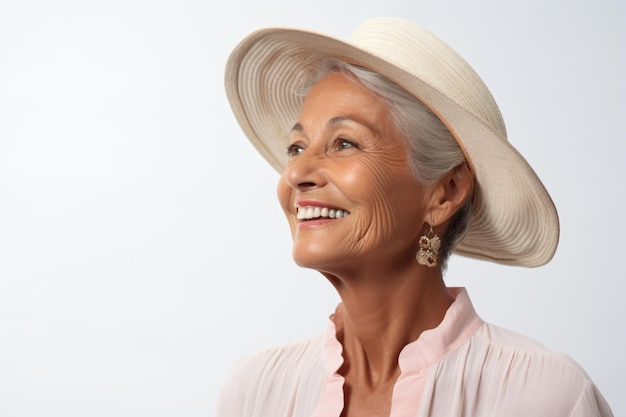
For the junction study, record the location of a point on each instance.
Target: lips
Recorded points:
(316, 212)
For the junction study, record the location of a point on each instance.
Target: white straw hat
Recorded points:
(513, 221)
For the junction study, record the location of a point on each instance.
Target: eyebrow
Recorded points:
(333, 121)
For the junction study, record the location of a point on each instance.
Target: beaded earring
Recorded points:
(429, 244)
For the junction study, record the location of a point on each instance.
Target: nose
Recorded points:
(305, 171)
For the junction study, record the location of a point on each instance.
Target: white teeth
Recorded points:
(310, 212)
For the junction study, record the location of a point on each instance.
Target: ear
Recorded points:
(449, 194)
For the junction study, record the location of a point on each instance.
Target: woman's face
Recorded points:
(347, 191)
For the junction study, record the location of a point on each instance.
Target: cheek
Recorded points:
(381, 186)
(391, 199)
(285, 198)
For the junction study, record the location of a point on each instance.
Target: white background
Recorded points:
(141, 247)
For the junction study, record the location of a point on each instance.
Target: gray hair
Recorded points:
(433, 150)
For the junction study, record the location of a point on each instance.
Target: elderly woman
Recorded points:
(394, 154)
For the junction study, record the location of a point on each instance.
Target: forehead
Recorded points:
(339, 98)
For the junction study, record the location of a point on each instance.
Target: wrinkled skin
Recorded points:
(346, 153)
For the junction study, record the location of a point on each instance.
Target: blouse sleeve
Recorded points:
(591, 403)
(281, 381)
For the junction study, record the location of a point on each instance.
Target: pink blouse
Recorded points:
(463, 367)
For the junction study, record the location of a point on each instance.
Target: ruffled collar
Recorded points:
(458, 325)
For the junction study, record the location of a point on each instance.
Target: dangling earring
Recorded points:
(429, 248)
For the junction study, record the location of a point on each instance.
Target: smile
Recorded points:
(310, 212)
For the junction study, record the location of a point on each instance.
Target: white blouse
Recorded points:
(464, 367)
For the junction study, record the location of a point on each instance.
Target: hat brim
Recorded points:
(514, 221)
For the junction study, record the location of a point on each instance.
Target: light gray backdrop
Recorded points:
(141, 247)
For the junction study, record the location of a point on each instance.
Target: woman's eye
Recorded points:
(342, 143)
(294, 149)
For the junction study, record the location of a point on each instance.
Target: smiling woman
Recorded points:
(348, 155)
(395, 157)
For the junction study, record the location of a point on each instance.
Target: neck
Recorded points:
(378, 317)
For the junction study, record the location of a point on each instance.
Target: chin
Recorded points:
(313, 256)
(308, 260)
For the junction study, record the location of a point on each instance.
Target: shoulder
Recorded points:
(518, 347)
(512, 340)
(282, 360)
(525, 375)
(270, 379)
(524, 357)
